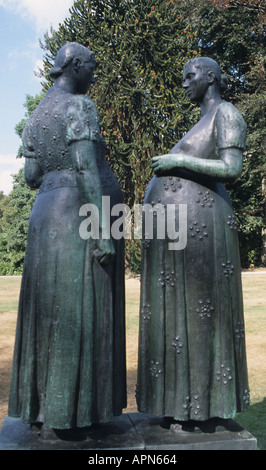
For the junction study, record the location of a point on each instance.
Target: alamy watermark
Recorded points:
(169, 220)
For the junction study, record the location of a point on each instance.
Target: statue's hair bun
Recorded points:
(224, 83)
(55, 72)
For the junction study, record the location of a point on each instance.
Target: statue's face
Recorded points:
(195, 82)
(85, 74)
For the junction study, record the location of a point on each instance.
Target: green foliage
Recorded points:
(133, 248)
(228, 35)
(16, 209)
(233, 33)
(30, 104)
(141, 48)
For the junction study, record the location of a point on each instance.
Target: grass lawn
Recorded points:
(254, 292)
(254, 284)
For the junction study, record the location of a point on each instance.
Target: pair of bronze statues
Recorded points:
(69, 366)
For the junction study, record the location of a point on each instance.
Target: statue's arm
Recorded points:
(230, 140)
(32, 170)
(84, 157)
(227, 168)
(33, 173)
(82, 136)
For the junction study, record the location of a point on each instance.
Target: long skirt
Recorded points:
(69, 358)
(192, 359)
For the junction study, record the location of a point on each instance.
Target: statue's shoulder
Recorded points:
(82, 103)
(82, 121)
(230, 126)
(230, 113)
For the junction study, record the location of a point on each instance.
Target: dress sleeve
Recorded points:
(230, 127)
(82, 120)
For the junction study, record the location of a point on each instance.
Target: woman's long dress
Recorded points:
(192, 360)
(69, 358)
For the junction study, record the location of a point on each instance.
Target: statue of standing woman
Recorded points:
(192, 359)
(69, 358)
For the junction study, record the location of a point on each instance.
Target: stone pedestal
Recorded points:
(157, 434)
(131, 432)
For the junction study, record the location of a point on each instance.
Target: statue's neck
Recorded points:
(211, 99)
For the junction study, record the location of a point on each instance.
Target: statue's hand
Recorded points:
(104, 251)
(166, 162)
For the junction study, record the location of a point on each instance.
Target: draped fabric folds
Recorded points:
(69, 357)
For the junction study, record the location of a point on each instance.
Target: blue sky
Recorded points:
(22, 24)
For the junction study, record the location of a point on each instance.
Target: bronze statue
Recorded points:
(192, 360)
(69, 358)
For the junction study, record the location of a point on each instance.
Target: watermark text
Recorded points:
(161, 222)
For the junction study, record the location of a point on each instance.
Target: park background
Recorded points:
(141, 47)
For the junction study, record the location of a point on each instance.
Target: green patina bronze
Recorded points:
(192, 359)
(69, 359)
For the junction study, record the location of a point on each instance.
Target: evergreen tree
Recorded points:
(140, 49)
(233, 33)
(16, 209)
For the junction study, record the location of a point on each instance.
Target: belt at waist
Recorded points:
(58, 179)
